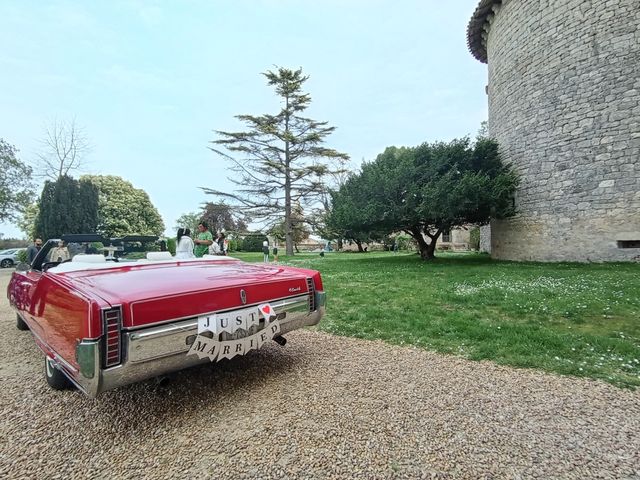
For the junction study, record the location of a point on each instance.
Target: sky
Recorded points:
(150, 82)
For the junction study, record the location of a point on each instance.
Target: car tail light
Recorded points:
(112, 320)
(312, 294)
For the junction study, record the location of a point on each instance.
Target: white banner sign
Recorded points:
(231, 321)
(216, 350)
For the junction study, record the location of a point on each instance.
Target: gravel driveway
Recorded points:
(321, 407)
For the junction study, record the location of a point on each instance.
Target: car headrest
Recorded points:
(89, 258)
(159, 256)
(217, 257)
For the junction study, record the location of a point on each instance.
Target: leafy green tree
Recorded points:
(124, 209)
(67, 206)
(345, 220)
(16, 189)
(355, 206)
(426, 190)
(318, 215)
(220, 217)
(188, 220)
(483, 131)
(280, 160)
(27, 221)
(22, 256)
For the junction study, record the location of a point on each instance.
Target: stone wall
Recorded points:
(485, 239)
(564, 104)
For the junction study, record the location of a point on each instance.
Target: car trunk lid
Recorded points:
(162, 292)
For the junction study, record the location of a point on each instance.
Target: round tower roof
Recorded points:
(475, 29)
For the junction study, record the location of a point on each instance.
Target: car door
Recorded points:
(24, 295)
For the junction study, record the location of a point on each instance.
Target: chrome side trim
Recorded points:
(85, 355)
(321, 299)
(88, 356)
(66, 366)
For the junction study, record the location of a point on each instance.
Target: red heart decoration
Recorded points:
(267, 309)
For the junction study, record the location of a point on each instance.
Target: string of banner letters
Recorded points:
(231, 322)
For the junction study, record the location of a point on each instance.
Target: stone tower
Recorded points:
(564, 104)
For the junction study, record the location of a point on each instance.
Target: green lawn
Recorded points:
(576, 319)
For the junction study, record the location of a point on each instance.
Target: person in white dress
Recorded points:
(184, 246)
(214, 249)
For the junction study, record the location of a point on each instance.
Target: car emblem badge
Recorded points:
(243, 297)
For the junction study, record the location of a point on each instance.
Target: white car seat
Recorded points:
(159, 256)
(89, 258)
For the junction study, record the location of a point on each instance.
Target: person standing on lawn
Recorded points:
(265, 251)
(33, 250)
(203, 240)
(222, 243)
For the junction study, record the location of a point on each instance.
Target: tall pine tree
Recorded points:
(280, 160)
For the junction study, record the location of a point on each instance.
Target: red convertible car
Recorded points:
(103, 322)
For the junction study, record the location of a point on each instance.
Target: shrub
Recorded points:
(171, 245)
(96, 247)
(253, 242)
(405, 242)
(235, 245)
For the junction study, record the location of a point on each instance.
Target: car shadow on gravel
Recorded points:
(214, 387)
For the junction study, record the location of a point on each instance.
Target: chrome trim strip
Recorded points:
(168, 340)
(66, 365)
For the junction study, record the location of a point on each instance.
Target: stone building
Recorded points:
(564, 104)
(454, 239)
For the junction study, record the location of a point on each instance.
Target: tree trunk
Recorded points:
(429, 253)
(426, 250)
(359, 244)
(287, 189)
(288, 237)
(339, 244)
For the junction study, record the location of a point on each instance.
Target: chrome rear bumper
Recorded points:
(154, 351)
